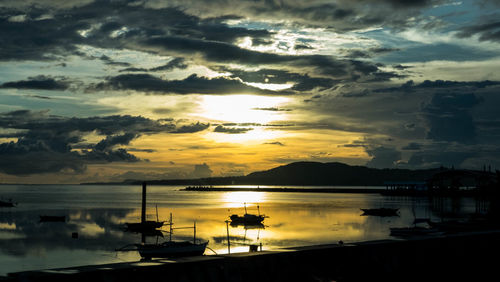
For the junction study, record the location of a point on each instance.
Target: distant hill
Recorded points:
(309, 173)
(314, 173)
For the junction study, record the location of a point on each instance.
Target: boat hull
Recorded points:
(171, 249)
(247, 219)
(4, 204)
(381, 212)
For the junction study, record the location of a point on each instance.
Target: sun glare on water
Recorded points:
(239, 199)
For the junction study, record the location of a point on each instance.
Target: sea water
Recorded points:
(96, 215)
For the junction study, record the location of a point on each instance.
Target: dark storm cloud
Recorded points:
(191, 84)
(108, 61)
(40, 82)
(302, 82)
(410, 85)
(46, 143)
(383, 157)
(192, 128)
(37, 40)
(461, 116)
(368, 53)
(437, 51)
(488, 31)
(449, 118)
(439, 156)
(412, 146)
(95, 24)
(171, 31)
(111, 141)
(222, 52)
(231, 130)
(176, 63)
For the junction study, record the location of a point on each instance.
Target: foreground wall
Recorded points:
(466, 257)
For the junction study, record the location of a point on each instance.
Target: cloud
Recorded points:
(48, 143)
(302, 82)
(201, 171)
(231, 130)
(383, 157)
(412, 147)
(191, 85)
(111, 141)
(449, 119)
(272, 109)
(275, 143)
(486, 31)
(44, 38)
(192, 128)
(176, 63)
(40, 82)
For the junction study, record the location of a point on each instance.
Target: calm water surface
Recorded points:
(98, 213)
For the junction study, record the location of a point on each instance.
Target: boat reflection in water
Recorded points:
(172, 248)
(145, 225)
(381, 212)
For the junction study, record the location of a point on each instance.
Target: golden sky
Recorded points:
(114, 90)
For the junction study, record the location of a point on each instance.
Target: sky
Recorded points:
(114, 90)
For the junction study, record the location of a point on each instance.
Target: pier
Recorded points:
(460, 257)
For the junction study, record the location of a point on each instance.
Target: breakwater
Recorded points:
(461, 257)
(285, 189)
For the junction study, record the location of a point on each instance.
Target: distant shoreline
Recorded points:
(285, 189)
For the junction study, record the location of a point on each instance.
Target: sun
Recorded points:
(242, 109)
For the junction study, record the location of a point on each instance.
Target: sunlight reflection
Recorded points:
(238, 199)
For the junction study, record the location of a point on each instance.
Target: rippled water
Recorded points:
(98, 213)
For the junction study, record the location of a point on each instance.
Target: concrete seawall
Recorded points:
(464, 257)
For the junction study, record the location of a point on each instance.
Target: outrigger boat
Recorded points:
(247, 219)
(172, 248)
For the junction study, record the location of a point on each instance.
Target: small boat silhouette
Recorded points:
(381, 212)
(7, 204)
(247, 219)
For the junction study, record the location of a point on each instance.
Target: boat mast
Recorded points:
(143, 212)
(245, 204)
(157, 220)
(258, 209)
(228, 241)
(194, 233)
(170, 233)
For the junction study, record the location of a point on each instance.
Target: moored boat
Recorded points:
(172, 248)
(248, 219)
(7, 204)
(381, 212)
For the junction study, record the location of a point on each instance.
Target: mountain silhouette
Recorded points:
(309, 173)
